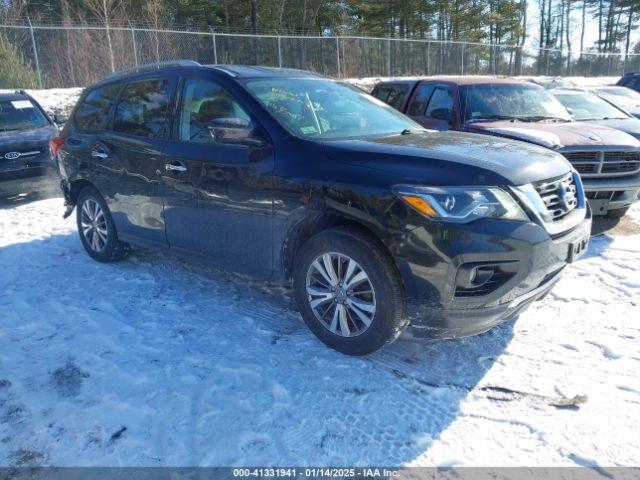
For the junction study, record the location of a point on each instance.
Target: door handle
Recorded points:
(99, 153)
(175, 167)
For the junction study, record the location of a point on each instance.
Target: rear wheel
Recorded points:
(349, 291)
(617, 212)
(96, 228)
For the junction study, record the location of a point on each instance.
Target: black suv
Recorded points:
(25, 132)
(286, 175)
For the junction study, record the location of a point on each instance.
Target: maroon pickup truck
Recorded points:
(608, 160)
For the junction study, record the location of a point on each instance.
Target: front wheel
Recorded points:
(96, 228)
(349, 291)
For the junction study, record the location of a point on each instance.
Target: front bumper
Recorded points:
(28, 180)
(606, 194)
(431, 257)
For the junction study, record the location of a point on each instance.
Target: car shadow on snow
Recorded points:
(204, 368)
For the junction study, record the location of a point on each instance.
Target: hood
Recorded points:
(627, 125)
(451, 158)
(22, 141)
(558, 135)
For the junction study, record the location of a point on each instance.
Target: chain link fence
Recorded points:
(81, 55)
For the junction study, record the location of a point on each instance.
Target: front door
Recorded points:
(218, 196)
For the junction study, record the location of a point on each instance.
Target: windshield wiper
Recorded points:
(484, 118)
(540, 118)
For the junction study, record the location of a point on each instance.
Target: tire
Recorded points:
(93, 217)
(341, 246)
(617, 212)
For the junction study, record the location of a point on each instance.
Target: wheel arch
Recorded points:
(310, 226)
(76, 187)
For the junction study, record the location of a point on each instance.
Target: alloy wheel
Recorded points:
(94, 225)
(340, 294)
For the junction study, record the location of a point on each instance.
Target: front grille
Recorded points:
(559, 195)
(604, 163)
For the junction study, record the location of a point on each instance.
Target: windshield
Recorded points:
(626, 95)
(320, 108)
(510, 101)
(585, 106)
(20, 115)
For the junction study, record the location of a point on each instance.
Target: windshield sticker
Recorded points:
(308, 130)
(22, 104)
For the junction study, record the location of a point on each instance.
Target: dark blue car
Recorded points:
(289, 176)
(25, 132)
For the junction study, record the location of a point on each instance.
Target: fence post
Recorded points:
(35, 53)
(338, 54)
(428, 55)
(279, 52)
(135, 49)
(389, 57)
(462, 59)
(215, 49)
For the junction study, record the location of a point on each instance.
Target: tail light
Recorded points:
(54, 145)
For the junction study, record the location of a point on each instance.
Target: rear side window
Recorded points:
(143, 109)
(396, 96)
(391, 94)
(93, 112)
(420, 99)
(381, 92)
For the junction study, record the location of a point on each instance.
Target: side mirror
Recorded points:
(442, 114)
(234, 130)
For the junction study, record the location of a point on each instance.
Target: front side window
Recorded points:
(510, 101)
(326, 109)
(420, 99)
(441, 100)
(143, 109)
(93, 112)
(20, 114)
(584, 106)
(202, 102)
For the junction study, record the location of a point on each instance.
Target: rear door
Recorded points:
(218, 196)
(132, 154)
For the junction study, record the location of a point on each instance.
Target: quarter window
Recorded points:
(143, 109)
(202, 102)
(396, 96)
(93, 112)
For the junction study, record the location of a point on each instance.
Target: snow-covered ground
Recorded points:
(155, 361)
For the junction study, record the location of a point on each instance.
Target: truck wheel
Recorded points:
(349, 291)
(617, 212)
(96, 228)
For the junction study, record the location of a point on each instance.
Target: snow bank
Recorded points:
(55, 100)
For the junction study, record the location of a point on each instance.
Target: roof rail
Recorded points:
(154, 66)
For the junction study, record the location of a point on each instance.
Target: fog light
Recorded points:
(470, 276)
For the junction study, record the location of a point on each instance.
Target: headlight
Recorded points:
(460, 204)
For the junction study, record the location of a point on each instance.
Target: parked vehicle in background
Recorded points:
(622, 97)
(608, 160)
(630, 80)
(585, 106)
(25, 131)
(288, 176)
